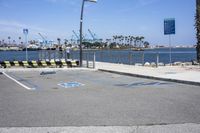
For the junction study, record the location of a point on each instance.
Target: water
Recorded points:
(113, 56)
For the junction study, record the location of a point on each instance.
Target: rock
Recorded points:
(177, 63)
(153, 64)
(183, 64)
(147, 64)
(138, 64)
(161, 64)
(188, 63)
(167, 64)
(195, 62)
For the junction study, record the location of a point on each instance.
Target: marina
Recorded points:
(112, 56)
(99, 66)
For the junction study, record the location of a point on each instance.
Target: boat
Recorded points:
(137, 49)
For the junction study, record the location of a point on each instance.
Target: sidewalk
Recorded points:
(180, 74)
(177, 128)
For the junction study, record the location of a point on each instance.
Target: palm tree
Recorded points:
(9, 39)
(58, 39)
(65, 42)
(13, 42)
(146, 44)
(137, 40)
(126, 38)
(132, 38)
(3, 41)
(141, 40)
(114, 39)
(197, 26)
(19, 40)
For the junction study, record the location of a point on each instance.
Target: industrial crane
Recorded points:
(76, 35)
(92, 35)
(43, 38)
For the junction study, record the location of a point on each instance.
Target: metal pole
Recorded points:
(81, 32)
(130, 58)
(87, 54)
(54, 55)
(49, 55)
(157, 59)
(94, 61)
(26, 47)
(170, 51)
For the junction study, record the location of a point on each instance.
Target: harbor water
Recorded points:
(112, 56)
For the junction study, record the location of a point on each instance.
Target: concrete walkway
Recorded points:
(181, 74)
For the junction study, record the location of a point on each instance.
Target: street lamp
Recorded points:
(81, 28)
(25, 31)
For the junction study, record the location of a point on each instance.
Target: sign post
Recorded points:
(169, 29)
(25, 31)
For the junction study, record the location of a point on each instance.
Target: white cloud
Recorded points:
(147, 2)
(14, 28)
(15, 24)
(138, 4)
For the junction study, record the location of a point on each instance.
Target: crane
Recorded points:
(44, 39)
(92, 35)
(76, 35)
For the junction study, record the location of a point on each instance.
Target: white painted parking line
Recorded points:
(26, 87)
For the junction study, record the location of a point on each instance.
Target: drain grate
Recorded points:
(70, 84)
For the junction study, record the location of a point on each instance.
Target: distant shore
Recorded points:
(90, 49)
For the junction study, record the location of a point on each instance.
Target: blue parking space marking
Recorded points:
(70, 84)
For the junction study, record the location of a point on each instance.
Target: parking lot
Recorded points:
(93, 98)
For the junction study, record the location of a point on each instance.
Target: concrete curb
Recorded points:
(152, 77)
(178, 128)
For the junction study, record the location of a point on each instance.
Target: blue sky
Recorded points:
(57, 18)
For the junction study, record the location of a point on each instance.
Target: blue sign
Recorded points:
(25, 31)
(169, 26)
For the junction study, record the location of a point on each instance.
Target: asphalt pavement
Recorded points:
(102, 99)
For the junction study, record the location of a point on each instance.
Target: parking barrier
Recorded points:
(16, 63)
(42, 63)
(25, 64)
(35, 64)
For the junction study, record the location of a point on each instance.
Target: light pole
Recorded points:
(25, 31)
(81, 30)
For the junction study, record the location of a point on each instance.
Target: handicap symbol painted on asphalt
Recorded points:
(70, 84)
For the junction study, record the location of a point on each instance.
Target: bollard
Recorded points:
(94, 60)
(72, 55)
(157, 60)
(65, 55)
(49, 54)
(39, 54)
(54, 54)
(87, 58)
